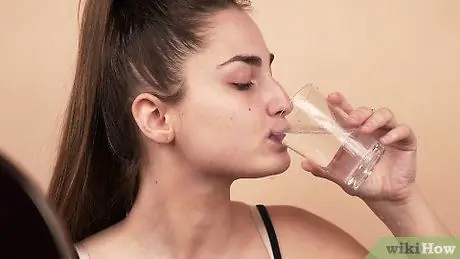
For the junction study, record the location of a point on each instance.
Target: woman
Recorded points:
(172, 102)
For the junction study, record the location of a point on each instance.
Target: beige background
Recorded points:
(401, 54)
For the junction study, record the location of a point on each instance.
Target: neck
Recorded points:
(178, 211)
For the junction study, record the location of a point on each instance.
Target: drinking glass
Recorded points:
(317, 130)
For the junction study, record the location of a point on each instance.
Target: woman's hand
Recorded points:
(393, 177)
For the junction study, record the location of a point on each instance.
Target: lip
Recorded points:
(277, 136)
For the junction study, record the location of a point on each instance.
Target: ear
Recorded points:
(149, 112)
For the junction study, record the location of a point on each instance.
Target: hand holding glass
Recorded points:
(318, 133)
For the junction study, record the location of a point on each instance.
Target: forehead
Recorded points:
(234, 32)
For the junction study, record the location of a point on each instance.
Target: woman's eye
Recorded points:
(243, 87)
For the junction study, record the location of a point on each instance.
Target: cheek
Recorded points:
(213, 131)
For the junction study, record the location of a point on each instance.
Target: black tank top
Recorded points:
(270, 231)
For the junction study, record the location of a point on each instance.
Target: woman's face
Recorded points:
(230, 116)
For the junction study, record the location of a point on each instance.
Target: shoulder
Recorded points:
(302, 233)
(108, 243)
(81, 252)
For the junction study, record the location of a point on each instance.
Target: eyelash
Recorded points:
(244, 87)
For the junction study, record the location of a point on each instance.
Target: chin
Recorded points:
(267, 166)
(279, 164)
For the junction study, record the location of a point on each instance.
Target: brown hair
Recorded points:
(124, 44)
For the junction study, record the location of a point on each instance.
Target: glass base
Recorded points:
(365, 167)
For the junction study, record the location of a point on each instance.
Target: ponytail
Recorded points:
(85, 187)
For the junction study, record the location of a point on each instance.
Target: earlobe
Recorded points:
(150, 115)
(169, 136)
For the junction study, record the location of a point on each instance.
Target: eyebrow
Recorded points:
(248, 59)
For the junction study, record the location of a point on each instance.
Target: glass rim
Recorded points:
(308, 86)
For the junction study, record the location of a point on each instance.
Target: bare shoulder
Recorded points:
(107, 243)
(302, 233)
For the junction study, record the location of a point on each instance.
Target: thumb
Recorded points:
(312, 167)
(318, 171)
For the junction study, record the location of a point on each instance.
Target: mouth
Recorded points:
(277, 137)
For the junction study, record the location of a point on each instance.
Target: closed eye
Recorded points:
(244, 86)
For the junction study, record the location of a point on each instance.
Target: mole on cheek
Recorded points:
(249, 109)
(232, 115)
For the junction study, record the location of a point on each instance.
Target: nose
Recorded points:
(280, 103)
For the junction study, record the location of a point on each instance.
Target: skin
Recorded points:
(184, 209)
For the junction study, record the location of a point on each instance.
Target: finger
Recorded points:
(382, 118)
(313, 168)
(400, 135)
(339, 107)
(360, 116)
(339, 115)
(309, 165)
(338, 100)
(317, 171)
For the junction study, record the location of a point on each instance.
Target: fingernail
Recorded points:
(385, 138)
(353, 119)
(365, 127)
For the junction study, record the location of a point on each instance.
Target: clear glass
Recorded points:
(317, 131)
